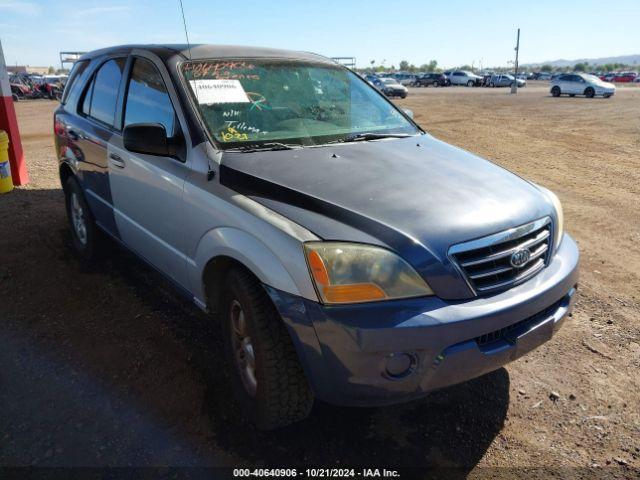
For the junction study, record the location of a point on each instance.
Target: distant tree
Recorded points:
(51, 71)
(432, 66)
(581, 67)
(404, 65)
(546, 68)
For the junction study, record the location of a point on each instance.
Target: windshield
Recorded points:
(293, 102)
(389, 81)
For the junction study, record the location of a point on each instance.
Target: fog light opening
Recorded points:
(399, 365)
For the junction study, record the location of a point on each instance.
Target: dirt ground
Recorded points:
(104, 365)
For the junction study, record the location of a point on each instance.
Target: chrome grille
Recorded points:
(488, 263)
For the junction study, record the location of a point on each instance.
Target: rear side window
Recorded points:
(72, 85)
(147, 97)
(101, 98)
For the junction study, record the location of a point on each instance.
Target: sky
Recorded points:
(476, 32)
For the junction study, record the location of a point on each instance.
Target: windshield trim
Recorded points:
(222, 146)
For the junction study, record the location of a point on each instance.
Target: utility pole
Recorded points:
(514, 87)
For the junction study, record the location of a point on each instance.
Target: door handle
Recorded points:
(116, 160)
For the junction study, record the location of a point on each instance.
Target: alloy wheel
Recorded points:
(78, 219)
(243, 351)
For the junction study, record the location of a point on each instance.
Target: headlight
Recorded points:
(354, 273)
(559, 227)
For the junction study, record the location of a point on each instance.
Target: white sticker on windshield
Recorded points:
(210, 91)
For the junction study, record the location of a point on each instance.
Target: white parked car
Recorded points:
(573, 84)
(462, 77)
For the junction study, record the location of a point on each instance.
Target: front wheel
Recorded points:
(470, 83)
(590, 92)
(267, 375)
(436, 84)
(555, 91)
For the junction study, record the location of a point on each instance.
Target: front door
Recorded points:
(147, 189)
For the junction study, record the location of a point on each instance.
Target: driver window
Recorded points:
(147, 98)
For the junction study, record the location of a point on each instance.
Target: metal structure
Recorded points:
(514, 86)
(349, 62)
(69, 57)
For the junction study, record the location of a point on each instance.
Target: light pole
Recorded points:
(514, 86)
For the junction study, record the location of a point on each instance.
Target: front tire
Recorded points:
(267, 375)
(85, 236)
(555, 91)
(470, 83)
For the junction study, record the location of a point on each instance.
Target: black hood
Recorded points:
(417, 196)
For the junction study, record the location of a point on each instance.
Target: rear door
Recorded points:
(89, 132)
(147, 189)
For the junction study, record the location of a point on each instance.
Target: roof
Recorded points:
(204, 51)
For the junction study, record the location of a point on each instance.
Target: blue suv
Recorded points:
(348, 255)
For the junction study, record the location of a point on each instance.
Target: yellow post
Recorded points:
(6, 184)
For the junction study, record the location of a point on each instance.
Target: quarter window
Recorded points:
(72, 84)
(102, 96)
(147, 98)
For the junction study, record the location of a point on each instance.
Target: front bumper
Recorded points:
(346, 351)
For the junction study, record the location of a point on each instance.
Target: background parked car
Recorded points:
(608, 77)
(462, 77)
(573, 84)
(505, 80)
(405, 78)
(390, 87)
(624, 77)
(431, 80)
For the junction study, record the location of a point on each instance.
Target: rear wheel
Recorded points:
(555, 91)
(590, 92)
(267, 375)
(85, 236)
(470, 83)
(436, 84)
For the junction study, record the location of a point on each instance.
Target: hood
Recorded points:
(417, 196)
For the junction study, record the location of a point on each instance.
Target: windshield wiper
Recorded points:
(261, 147)
(363, 137)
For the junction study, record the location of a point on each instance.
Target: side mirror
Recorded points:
(148, 138)
(408, 113)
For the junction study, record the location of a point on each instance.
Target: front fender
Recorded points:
(246, 249)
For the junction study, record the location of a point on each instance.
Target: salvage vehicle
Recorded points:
(347, 254)
(431, 79)
(573, 84)
(505, 80)
(462, 77)
(390, 87)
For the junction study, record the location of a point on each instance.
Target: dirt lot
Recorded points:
(104, 365)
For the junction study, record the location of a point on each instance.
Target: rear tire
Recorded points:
(85, 235)
(470, 83)
(436, 84)
(555, 91)
(267, 375)
(590, 92)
